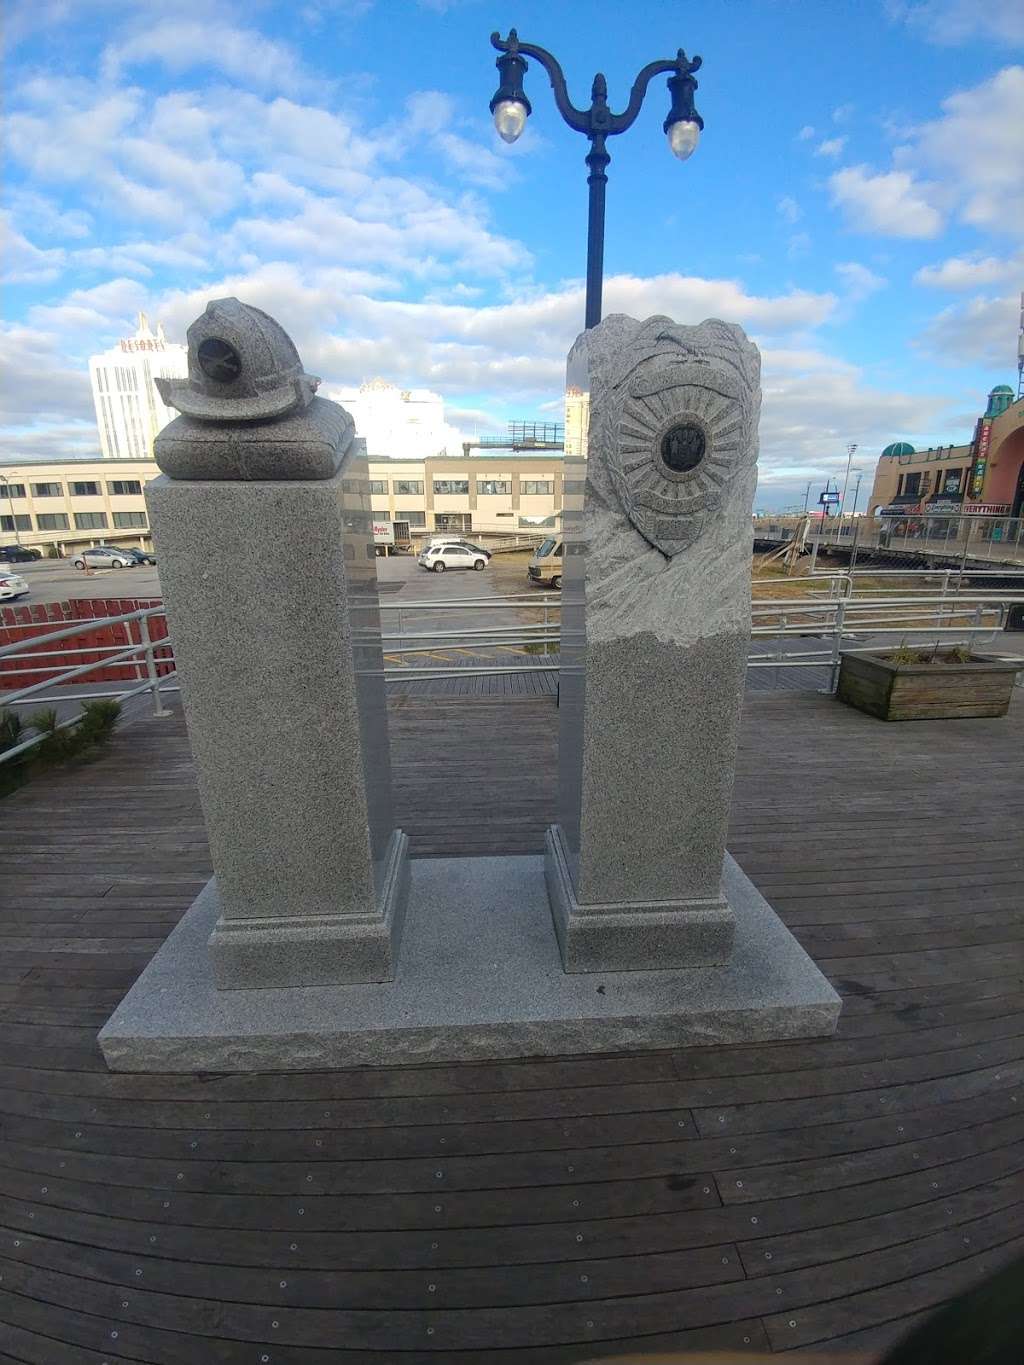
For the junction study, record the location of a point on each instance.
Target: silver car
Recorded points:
(103, 557)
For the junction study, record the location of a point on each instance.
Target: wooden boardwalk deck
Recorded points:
(767, 1198)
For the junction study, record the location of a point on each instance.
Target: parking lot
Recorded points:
(54, 580)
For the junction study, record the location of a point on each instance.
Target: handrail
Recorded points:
(831, 619)
(137, 653)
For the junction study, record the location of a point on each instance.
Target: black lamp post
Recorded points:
(510, 108)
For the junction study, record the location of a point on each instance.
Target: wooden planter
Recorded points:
(980, 687)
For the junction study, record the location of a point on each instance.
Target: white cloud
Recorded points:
(956, 21)
(970, 272)
(103, 310)
(789, 210)
(977, 148)
(969, 161)
(892, 203)
(805, 134)
(980, 331)
(831, 147)
(40, 386)
(23, 261)
(432, 115)
(183, 44)
(843, 113)
(858, 281)
(47, 218)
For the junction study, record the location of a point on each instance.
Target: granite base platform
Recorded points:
(479, 976)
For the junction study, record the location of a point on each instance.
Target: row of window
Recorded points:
(84, 521)
(78, 488)
(948, 482)
(456, 487)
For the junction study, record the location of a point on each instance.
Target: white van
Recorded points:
(545, 565)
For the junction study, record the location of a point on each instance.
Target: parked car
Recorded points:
(459, 540)
(103, 557)
(12, 586)
(451, 555)
(18, 554)
(142, 556)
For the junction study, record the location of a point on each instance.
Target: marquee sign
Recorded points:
(982, 437)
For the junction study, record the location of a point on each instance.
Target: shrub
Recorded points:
(78, 741)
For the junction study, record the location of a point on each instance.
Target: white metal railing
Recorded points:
(842, 618)
(139, 654)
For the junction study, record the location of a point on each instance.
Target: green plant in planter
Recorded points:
(11, 730)
(59, 744)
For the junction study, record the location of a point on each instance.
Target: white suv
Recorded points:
(449, 555)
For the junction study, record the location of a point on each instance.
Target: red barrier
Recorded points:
(24, 622)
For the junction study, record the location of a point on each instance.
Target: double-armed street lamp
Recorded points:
(511, 108)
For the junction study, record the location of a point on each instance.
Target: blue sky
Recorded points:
(856, 203)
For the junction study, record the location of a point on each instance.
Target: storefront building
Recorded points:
(983, 477)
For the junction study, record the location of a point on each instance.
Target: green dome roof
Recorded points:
(1001, 388)
(898, 448)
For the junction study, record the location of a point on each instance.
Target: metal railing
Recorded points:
(942, 535)
(138, 654)
(843, 618)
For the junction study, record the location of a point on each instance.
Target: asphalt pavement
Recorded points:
(55, 580)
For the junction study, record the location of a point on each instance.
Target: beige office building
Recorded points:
(61, 506)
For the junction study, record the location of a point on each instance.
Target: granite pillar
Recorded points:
(264, 541)
(655, 629)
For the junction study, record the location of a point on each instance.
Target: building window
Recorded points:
(48, 490)
(88, 488)
(378, 485)
(408, 488)
(493, 487)
(451, 487)
(125, 488)
(12, 490)
(412, 518)
(90, 521)
(536, 487)
(536, 523)
(912, 484)
(21, 521)
(51, 521)
(125, 520)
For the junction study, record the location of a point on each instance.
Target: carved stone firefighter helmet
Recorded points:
(242, 367)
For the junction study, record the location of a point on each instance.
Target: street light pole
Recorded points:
(856, 490)
(511, 109)
(10, 503)
(850, 449)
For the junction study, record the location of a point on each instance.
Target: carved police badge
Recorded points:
(685, 419)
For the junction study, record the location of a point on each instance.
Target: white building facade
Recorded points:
(399, 424)
(129, 410)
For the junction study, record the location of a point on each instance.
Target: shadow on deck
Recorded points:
(761, 1198)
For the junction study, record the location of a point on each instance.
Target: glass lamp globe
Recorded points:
(683, 137)
(509, 119)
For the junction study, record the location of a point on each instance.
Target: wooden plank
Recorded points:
(616, 1191)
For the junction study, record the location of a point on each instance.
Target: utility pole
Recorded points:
(807, 495)
(850, 449)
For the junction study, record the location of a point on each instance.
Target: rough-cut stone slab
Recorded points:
(655, 631)
(479, 976)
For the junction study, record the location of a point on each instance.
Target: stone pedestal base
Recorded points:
(630, 938)
(315, 950)
(479, 976)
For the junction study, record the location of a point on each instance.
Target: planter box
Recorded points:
(980, 687)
